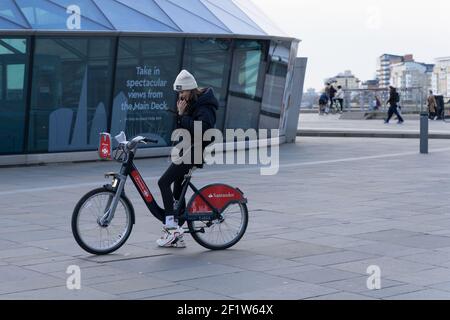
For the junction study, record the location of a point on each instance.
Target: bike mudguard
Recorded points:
(220, 196)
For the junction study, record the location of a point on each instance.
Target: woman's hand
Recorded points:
(181, 106)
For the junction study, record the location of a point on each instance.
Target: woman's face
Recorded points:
(184, 95)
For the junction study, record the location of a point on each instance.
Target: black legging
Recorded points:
(174, 175)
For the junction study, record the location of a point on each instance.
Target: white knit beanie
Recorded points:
(185, 81)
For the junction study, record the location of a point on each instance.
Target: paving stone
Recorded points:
(334, 258)
(130, 285)
(292, 291)
(60, 293)
(237, 283)
(191, 295)
(388, 266)
(194, 272)
(38, 281)
(156, 293)
(428, 294)
(386, 293)
(342, 296)
(425, 277)
(321, 275)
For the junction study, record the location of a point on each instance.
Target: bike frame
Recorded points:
(128, 169)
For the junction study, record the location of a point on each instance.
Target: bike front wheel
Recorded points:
(222, 233)
(86, 227)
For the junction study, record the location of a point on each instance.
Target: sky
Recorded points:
(351, 34)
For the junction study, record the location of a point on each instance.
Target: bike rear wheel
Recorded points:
(87, 230)
(222, 233)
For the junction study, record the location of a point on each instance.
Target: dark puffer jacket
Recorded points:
(204, 110)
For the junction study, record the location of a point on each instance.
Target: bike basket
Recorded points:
(120, 155)
(105, 147)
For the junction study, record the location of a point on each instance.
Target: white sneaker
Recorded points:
(171, 238)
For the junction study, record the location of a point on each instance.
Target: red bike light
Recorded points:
(105, 147)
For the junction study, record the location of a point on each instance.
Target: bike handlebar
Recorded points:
(148, 140)
(133, 143)
(130, 145)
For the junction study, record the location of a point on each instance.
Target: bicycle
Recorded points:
(102, 221)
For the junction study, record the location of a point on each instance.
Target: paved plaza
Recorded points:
(336, 207)
(333, 125)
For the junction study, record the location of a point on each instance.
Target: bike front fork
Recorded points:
(118, 185)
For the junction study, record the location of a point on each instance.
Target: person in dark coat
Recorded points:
(194, 105)
(394, 99)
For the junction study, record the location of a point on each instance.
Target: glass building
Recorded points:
(70, 69)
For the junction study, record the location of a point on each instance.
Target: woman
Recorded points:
(340, 98)
(394, 99)
(194, 105)
(432, 106)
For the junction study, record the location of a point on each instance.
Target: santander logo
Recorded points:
(226, 195)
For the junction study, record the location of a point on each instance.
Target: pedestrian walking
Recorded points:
(394, 99)
(432, 106)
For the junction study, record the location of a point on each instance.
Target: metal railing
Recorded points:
(412, 100)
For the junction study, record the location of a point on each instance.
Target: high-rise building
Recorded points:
(441, 77)
(413, 76)
(384, 68)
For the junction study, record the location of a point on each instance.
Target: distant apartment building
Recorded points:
(346, 79)
(441, 77)
(414, 76)
(384, 68)
(371, 84)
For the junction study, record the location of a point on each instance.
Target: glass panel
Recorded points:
(260, 18)
(4, 50)
(198, 8)
(246, 85)
(9, 11)
(70, 94)
(15, 74)
(209, 60)
(151, 9)
(47, 15)
(235, 11)
(6, 24)
(187, 21)
(146, 70)
(12, 97)
(1, 80)
(232, 22)
(16, 45)
(124, 18)
(275, 84)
